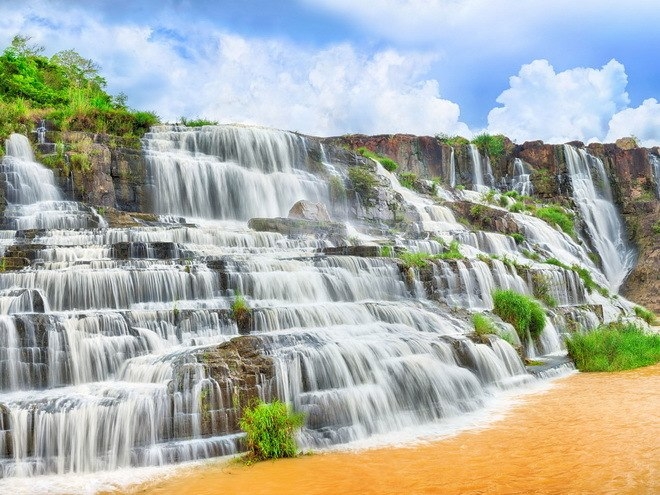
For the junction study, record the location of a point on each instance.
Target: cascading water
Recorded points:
(655, 161)
(603, 222)
(108, 339)
(521, 179)
(482, 174)
(229, 172)
(34, 200)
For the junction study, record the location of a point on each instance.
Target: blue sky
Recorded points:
(557, 71)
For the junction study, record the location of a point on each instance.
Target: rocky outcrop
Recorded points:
(241, 370)
(308, 210)
(297, 227)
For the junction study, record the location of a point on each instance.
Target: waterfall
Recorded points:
(452, 168)
(481, 170)
(229, 172)
(592, 194)
(521, 179)
(118, 347)
(655, 162)
(34, 200)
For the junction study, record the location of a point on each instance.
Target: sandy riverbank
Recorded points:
(590, 434)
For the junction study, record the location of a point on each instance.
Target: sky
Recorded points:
(557, 71)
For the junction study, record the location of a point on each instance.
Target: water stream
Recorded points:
(103, 337)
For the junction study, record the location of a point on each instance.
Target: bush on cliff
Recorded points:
(270, 429)
(614, 347)
(65, 89)
(523, 312)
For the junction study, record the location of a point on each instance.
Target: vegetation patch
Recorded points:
(483, 325)
(387, 163)
(66, 90)
(408, 179)
(614, 347)
(453, 141)
(556, 215)
(645, 314)
(364, 183)
(270, 429)
(199, 122)
(523, 312)
(241, 312)
(492, 145)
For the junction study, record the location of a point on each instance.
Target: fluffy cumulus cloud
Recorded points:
(560, 106)
(330, 91)
(233, 78)
(642, 122)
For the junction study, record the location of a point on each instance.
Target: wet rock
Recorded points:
(308, 210)
(295, 227)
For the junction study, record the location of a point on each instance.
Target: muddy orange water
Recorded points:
(590, 434)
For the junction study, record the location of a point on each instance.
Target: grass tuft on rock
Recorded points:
(270, 429)
(523, 312)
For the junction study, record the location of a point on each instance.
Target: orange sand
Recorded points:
(590, 434)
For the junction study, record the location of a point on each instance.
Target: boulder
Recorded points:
(308, 210)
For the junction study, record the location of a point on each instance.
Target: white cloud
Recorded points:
(558, 107)
(642, 122)
(232, 78)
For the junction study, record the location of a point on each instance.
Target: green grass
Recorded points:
(453, 141)
(199, 122)
(492, 145)
(645, 314)
(518, 237)
(517, 207)
(270, 429)
(452, 253)
(483, 325)
(555, 215)
(364, 183)
(387, 163)
(615, 347)
(523, 312)
(415, 260)
(407, 179)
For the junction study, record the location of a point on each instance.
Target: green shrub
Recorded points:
(337, 189)
(614, 347)
(512, 194)
(519, 238)
(542, 288)
(364, 184)
(407, 179)
(199, 122)
(386, 251)
(555, 215)
(241, 312)
(492, 145)
(387, 163)
(453, 141)
(415, 260)
(483, 325)
(523, 312)
(645, 314)
(270, 429)
(453, 253)
(517, 207)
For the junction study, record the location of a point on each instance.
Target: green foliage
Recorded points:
(453, 141)
(199, 122)
(483, 325)
(523, 312)
(477, 210)
(460, 187)
(337, 189)
(518, 237)
(415, 260)
(542, 289)
(241, 312)
(453, 253)
(489, 196)
(408, 179)
(65, 89)
(512, 194)
(656, 227)
(492, 145)
(386, 251)
(270, 429)
(583, 273)
(645, 314)
(614, 347)
(387, 163)
(364, 183)
(517, 207)
(556, 215)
